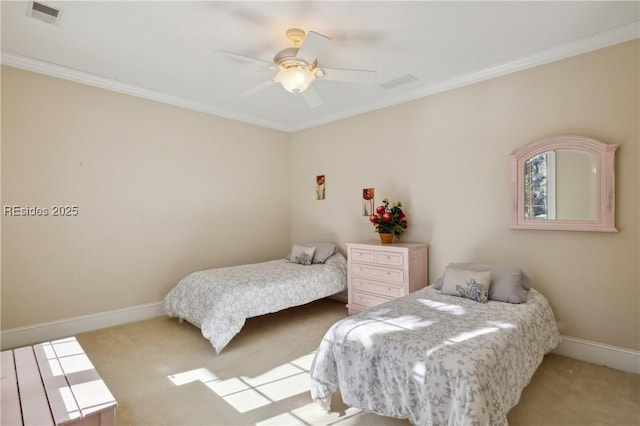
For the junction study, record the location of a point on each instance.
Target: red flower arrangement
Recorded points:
(389, 220)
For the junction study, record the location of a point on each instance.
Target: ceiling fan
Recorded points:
(298, 67)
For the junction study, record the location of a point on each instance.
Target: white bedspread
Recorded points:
(220, 300)
(435, 359)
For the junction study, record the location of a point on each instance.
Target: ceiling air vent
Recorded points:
(44, 13)
(405, 79)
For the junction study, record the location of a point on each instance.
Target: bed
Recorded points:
(434, 358)
(218, 301)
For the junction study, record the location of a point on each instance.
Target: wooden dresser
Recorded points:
(381, 272)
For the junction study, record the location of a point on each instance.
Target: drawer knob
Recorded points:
(388, 273)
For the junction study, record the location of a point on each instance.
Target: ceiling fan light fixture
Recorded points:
(295, 80)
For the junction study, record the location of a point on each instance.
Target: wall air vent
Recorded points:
(45, 13)
(405, 79)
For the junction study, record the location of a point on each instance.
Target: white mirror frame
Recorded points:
(605, 191)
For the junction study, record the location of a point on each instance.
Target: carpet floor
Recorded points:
(165, 373)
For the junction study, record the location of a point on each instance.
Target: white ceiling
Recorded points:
(166, 51)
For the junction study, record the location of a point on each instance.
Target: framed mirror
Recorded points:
(564, 183)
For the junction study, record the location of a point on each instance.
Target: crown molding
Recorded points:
(594, 42)
(588, 44)
(58, 71)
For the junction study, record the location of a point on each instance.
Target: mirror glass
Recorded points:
(561, 185)
(564, 183)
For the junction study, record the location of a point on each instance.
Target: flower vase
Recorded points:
(386, 238)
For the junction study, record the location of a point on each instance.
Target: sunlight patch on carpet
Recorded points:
(284, 381)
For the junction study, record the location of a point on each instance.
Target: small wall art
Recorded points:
(367, 201)
(320, 187)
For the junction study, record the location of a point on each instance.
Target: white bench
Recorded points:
(53, 383)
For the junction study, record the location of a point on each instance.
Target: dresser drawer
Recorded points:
(378, 273)
(363, 255)
(388, 258)
(387, 290)
(367, 300)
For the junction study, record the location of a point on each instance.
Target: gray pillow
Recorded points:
(323, 252)
(508, 283)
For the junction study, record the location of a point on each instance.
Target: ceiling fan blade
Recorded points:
(312, 45)
(247, 59)
(350, 76)
(257, 88)
(312, 97)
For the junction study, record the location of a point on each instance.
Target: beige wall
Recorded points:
(161, 192)
(446, 158)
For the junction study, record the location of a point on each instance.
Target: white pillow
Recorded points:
(472, 285)
(302, 255)
(508, 283)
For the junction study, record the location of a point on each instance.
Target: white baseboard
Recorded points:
(598, 353)
(28, 335)
(584, 350)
